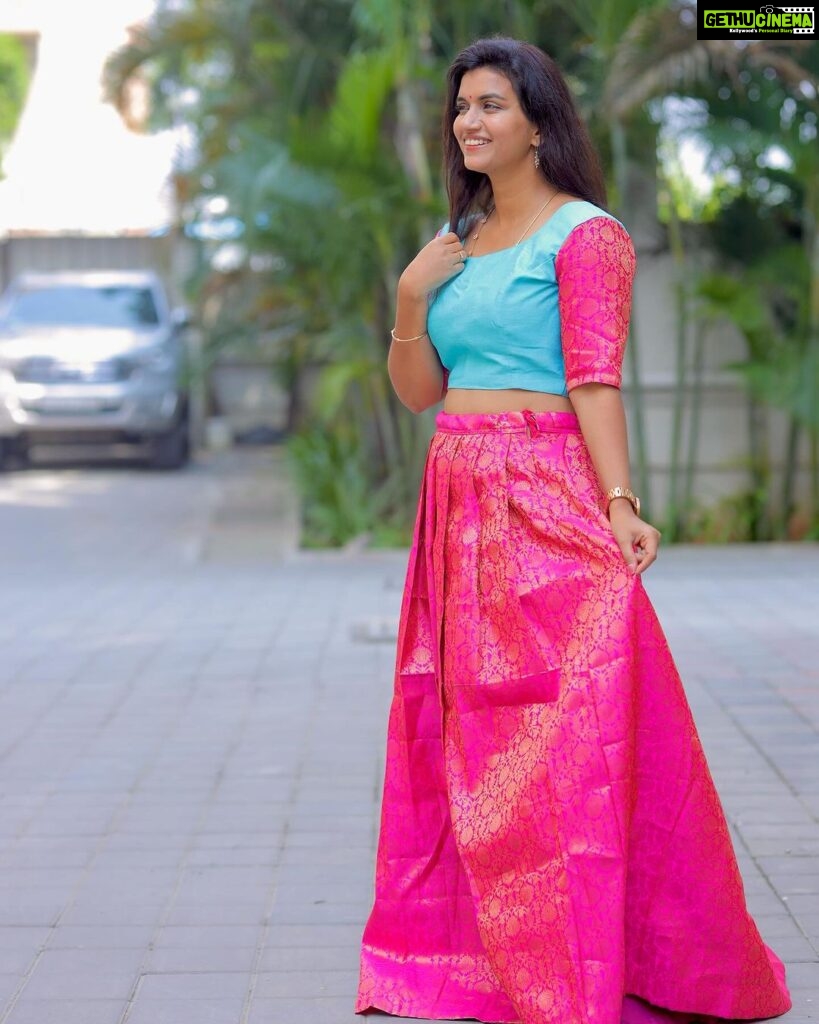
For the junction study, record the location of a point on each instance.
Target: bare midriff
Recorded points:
(459, 400)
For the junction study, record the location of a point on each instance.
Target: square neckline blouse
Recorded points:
(534, 234)
(544, 314)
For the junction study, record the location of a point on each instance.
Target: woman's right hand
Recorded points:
(436, 263)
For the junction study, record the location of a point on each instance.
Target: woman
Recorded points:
(552, 848)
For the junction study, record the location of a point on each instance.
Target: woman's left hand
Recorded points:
(637, 539)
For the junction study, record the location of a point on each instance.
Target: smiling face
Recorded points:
(490, 126)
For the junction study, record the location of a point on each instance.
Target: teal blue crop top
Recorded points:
(547, 314)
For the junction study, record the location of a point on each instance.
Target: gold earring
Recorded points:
(537, 159)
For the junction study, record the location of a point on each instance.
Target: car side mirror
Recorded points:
(181, 318)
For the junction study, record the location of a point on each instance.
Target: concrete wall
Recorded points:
(21, 252)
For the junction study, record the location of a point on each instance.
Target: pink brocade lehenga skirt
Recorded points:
(552, 848)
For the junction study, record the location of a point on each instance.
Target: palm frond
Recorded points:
(660, 53)
(354, 120)
(168, 35)
(791, 72)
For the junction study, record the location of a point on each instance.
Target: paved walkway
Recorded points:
(192, 724)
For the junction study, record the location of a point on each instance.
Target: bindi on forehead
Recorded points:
(483, 96)
(486, 84)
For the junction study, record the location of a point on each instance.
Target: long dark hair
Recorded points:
(567, 157)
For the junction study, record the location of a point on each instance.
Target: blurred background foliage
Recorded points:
(315, 177)
(14, 78)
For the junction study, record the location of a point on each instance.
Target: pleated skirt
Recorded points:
(552, 847)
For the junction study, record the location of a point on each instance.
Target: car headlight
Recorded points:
(156, 360)
(7, 368)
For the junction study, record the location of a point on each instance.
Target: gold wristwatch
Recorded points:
(623, 492)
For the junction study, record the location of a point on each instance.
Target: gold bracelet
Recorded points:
(623, 492)
(395, 337)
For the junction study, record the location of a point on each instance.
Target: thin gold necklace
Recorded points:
(531, 222)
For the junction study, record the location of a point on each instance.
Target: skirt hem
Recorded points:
(398, 1009)
(406, 1008)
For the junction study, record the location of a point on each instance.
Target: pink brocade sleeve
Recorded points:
(594, 269)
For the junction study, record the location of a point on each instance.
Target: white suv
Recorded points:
(92, 357)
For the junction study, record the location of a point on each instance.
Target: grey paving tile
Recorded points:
(226, 912)
(9, 985)
(797, 886)
(330, 853)
(803, 978)
(215, 936)
(197, 959)
(313, 1010)
(763, 829)
(17, 961)
(89, 936)
(22, 936)
(186, 1011)
(81, 984)
(271, 839)
(297, 984)
(318, 913)
(167, 840)
(28, 912)
(66, 1011)
(809, 923)
(130, 912)
(765, 902)
(784, 847)
(298, 935)
(191, 985)
(309, 958)
(796, 949)
(98, 890)
(230, 876)
(346, 841)
(788, 867)
(57, 879)
(322, 891)
(777, 926)
(246, 856)
(337, 875)
(803, 904)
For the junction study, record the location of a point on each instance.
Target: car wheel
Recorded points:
(13, 453)
(171, 450)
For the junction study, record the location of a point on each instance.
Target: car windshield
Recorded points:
(83, 305)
